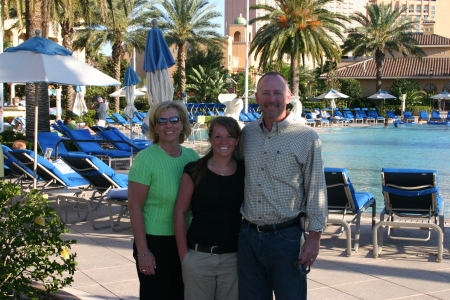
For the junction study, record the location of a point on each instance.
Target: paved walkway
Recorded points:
(405, 270)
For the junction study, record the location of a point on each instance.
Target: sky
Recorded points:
(220, 6)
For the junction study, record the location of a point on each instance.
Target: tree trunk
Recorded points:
(67, 32)
(34, 20)
(117, 51)
(182, 66)
(379, 58)
(295, 74)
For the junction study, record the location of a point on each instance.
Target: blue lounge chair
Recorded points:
(101, 178)
(407, 115)
(362, 114)
(113, 138)
(448, 117)
(391, 115)
(250, 116)
(348, 114)
(111, 121)
(140, 143)
(345, 201)
(436, 116)
(92, 147)
(50, 140)
(374, 114)
(244, 118)
(47, 172)
(337, 113)
(423, 116)
(122, 121)
(410, 195)
(24, 174)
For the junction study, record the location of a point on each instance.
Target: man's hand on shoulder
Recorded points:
(310, 249)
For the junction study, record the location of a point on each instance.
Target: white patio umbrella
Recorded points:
(157, 60)
(441, 96)
(332, 94)
(41, 60)
(382, 95)
(123, 93)
(79, 105)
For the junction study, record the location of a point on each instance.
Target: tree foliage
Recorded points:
(189, 22)
(351, 87)
(206, 84)
(382, 30)
(299, 28)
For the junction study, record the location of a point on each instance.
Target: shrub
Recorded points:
(31, 246)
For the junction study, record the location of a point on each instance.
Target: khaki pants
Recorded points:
(209, 276)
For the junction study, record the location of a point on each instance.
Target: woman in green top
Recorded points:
(153, 186)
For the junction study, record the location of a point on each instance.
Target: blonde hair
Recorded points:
(182, 112)
(19, 144)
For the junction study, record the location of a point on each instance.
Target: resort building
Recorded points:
(433, 16)
(431, 72)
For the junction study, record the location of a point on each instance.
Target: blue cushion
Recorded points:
(120, 179)
(70, 181)
(118, 194)
(359, 198)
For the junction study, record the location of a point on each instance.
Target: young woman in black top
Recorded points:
(212, 188)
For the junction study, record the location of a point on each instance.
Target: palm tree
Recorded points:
(207, 83)
(125, 29)
(189, 22)
(300, 28)
(382, 30)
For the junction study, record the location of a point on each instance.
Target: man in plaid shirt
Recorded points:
(284, 181)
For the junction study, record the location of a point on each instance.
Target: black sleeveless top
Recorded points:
(215, 207)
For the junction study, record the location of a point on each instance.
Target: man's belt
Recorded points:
(273, 227)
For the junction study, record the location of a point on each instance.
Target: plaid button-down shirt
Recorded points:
(284, 173)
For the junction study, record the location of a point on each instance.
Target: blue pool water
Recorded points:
(365, 150)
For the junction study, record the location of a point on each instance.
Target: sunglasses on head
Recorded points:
(163, 121)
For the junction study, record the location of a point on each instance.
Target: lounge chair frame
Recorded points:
(339, 187)
(415, 213)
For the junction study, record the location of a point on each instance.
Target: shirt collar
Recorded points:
(278, 126)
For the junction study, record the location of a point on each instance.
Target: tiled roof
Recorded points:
(430, 39)
(397, 68)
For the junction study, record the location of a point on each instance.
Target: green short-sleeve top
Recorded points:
(162, 173)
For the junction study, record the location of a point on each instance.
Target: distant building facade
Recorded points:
(431, 72)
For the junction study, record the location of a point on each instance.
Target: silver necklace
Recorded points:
(222, 172)
(170, 154)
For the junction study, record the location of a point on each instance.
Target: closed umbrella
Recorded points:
(157, 60)
(131, 79)
(42, 60)
(79, 105)
(441, 96)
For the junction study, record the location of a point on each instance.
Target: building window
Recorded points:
(417, 26)
(237, 36)
(411, 7)
(433, 7)
(433, 12)
(417, 11)
(425, 7)
(425, 17)
(418, 7)
(432, 17)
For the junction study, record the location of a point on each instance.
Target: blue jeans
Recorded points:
(265, 264)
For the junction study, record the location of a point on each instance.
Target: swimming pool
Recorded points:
(365, 150)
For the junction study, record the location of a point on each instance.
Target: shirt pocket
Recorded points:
(281, 166)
